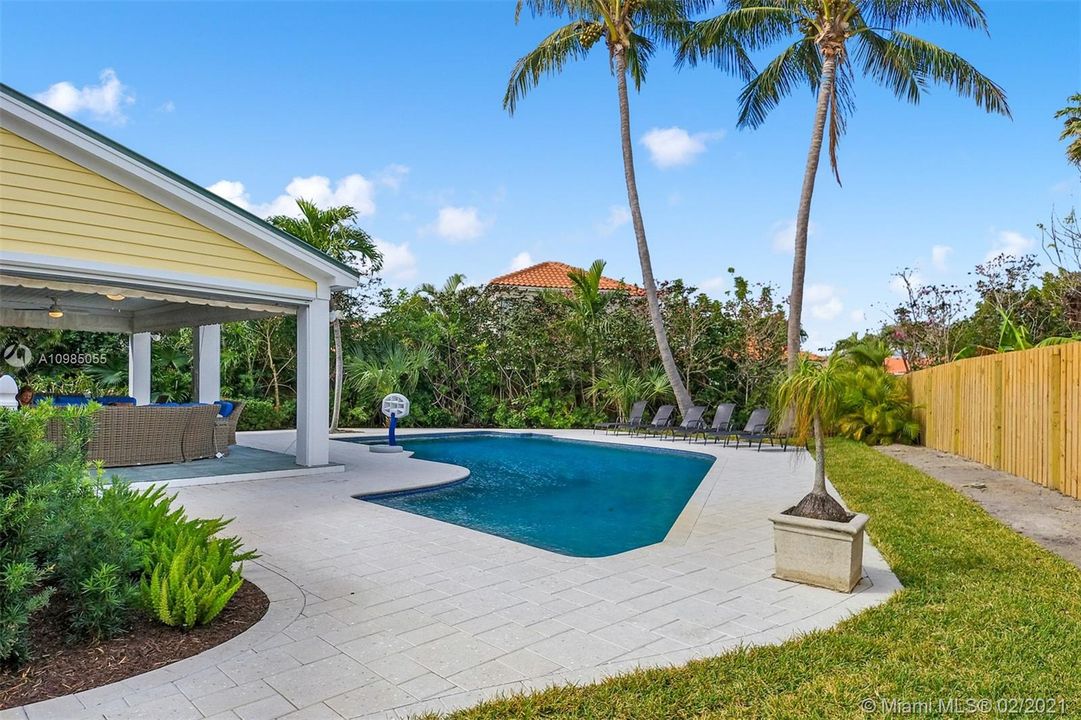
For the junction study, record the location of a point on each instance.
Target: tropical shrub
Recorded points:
(95, 563)
(192, 574)
(21, 595)
(876, 407)
(262, 415)
(39, 483)
(68, 537)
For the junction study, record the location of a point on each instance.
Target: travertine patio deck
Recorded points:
(382, 613)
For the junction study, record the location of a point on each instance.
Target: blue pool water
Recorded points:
(575, 498)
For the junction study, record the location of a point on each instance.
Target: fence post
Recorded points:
(997, 421)
(1056, 429)
(955, 398)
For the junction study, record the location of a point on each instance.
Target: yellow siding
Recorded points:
(51, 206)
(1019, 412)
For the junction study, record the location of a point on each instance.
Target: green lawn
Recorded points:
(985, 613)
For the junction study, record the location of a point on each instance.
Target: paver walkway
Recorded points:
(382, 613)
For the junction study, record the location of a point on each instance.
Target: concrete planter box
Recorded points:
(819, 552)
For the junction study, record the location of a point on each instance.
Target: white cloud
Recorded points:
(674, 146)
(233, 191)
(399, 262)
(104, 101)
(783, 235)
(715, 286)
(940, 255)
(618, 216)
(1010, 243)
(823, 301)
(393, 175)
(354, 190)
(167, 107)
(458, 224)
(520, 261)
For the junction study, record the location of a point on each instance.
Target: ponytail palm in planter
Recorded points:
(817, 541)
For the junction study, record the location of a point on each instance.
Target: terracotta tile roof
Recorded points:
(896, 365)
(554, 275)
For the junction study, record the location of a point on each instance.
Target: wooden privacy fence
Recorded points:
(1019, 412)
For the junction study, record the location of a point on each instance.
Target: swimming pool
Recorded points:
(577, 498)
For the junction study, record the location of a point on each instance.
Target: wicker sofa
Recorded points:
(156, 434)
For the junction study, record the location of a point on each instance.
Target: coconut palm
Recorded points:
(1071, 129)
(587, 307)
(333, 230)
(826, 39)
(812, 394)
(631, 31)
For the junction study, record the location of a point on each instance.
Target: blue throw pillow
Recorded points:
(226, 408)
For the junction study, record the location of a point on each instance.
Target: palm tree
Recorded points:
(824, 32)
(623, 385)
(333, 230)
(451, 286)
(812, 394)
(587, 306)
(631, 30)
(387, 368)
(1071, 129)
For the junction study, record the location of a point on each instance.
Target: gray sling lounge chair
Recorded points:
(756, 425)
(722, 423)
(661, 420)
(780, 434)
(692, 423)
(633, 421)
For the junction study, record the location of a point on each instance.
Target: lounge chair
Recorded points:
(692, 423)
(780, 434)
(722, 423)
(756, 425)
(661, 420)
(634, 420)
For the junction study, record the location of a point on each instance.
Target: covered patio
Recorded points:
(95, 237)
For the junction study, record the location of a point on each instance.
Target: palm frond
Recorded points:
(778, 79)
(637, 57)
(1071, 128)
(749, 28)
(895, 13)
(879, 61)
(841, 106)
(550, 8)
(548, 58)
(942, 66)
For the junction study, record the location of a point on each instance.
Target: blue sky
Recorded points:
(396, 108)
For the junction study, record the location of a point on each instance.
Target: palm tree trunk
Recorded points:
(820, 457)
(683, 398)
(803, 217)
(339, 374)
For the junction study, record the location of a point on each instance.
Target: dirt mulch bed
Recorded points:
(60, 668)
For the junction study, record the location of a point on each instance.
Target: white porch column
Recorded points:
(313, 383)
(139, 367)
(206, 362)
